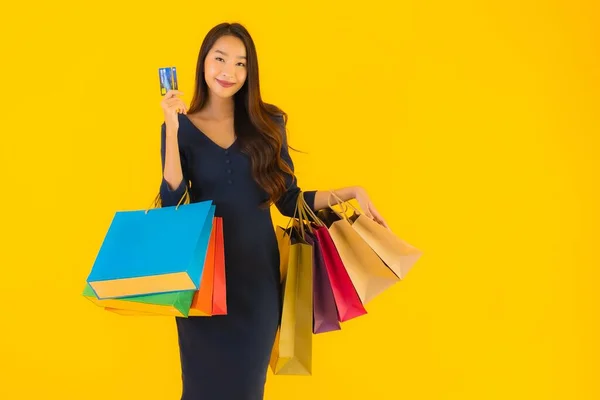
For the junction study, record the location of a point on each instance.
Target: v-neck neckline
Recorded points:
(208, 138)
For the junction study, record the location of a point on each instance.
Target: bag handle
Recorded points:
(303, 220)
(302, 217)
(296, 212)
(343, 204)
(157, 203)
(309, 212)
(340, 201)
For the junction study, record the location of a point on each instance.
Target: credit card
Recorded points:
(168, 79)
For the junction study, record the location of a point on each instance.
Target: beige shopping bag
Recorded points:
(397, 254)
(368, 272)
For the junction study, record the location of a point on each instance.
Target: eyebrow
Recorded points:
(225, 54)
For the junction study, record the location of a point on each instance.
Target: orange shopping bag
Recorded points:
(211, 298)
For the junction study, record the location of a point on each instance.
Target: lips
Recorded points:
(225, 84)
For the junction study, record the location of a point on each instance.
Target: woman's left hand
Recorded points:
(368, 207)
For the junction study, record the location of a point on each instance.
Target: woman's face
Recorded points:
(225, 66)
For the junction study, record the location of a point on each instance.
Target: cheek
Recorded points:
(241, 76)
(210, 70)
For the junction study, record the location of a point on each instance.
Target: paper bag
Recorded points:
(370, 276)
(131, 313)
(220, 281)
(175, 304)
(325, 313)
(154, 251)
(398, 255)
(292, 350)
(210, 299)
(348, 303)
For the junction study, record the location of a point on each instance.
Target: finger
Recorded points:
(183, 107)
(180, 108)
(378, 218)
(178, 102)
(176, 105)
(173, 93)
(382, 222)
(171, 102)
(173, 108)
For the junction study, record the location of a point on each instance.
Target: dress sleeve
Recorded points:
(287, 203)
(171, 197)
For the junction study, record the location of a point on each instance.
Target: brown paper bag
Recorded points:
(398, 255)
(368, 272)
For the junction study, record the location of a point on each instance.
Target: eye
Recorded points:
(219, 59)
(241, 64)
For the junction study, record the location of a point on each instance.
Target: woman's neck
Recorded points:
(218, 108)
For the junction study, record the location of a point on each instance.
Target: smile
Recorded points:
(225, 84)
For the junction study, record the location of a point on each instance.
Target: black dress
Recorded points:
(226, 357)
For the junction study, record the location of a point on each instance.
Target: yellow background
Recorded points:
(474, 128)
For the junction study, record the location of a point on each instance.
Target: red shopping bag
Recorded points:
(220, 288)
(347, 300)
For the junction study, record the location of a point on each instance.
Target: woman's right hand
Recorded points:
(173, 105)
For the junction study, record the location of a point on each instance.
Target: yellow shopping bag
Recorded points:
(292, 350)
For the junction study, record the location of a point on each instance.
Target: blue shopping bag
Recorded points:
(153, 251)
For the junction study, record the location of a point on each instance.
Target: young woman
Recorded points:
(231, 147)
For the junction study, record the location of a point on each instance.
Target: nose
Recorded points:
(228, 70)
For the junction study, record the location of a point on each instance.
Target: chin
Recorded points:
(222, 92)
(226, 94)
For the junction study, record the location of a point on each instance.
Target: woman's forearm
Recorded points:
(323, 197)
(172, 172)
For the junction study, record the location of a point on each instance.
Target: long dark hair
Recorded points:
(258, 125)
